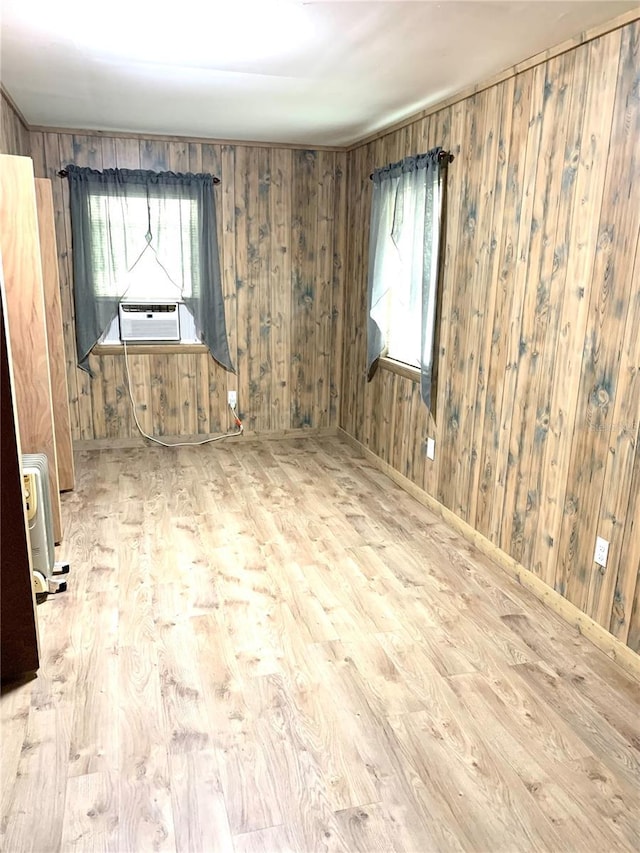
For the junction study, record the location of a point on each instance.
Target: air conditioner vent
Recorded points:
(143, 308)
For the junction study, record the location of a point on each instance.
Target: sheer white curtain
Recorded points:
(403, 263)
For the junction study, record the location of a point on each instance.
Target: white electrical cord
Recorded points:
(153, 438)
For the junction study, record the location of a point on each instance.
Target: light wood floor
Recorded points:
(269, 646)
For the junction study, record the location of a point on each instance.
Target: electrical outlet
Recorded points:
(431, 448)
(232, 398)
(602, 552)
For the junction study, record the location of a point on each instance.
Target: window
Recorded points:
(403, 263)
(402, 259)
(145, 236)
(132, 266)
(125, 255)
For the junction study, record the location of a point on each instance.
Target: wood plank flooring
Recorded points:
(268, 646)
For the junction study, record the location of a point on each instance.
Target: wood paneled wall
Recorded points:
(14, 135)
(538, 404)
(281, 228)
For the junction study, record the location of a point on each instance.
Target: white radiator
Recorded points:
(35, 467)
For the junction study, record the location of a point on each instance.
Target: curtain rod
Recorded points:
(63, 174)
(444, 157)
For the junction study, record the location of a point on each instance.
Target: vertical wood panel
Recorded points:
(14, 136)
(55, 156)
(351, 359)
(486, 435)
(242, 295)
(304, 287)
(323, 275)
(471, 298)
(359, 402)
(187, 394)
(280, 287)
(538, 398)
(227, 197)
(55, 336)
(254, 289)
(37, 153)
(449, 415)
(160, 402)
(127, 154)
(154, 155)
(489, 197)
(114, 396)
(178, 158)
(263, 344)
(338, 283)
(465, 311)
(141, 389)
(513, 410)
(526, 432)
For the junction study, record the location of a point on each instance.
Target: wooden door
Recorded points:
(18, 624)
(20, 247)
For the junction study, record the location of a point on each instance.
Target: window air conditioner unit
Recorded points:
(149, 321)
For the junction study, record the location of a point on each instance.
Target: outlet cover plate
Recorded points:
(602, 552)
(232, 398)
(431, 448)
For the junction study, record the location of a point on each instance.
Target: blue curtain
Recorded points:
(127, 224)
(405, 225)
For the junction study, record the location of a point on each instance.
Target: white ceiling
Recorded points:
(320, 72)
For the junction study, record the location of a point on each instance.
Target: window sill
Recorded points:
(149, 349)
(400, 368)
